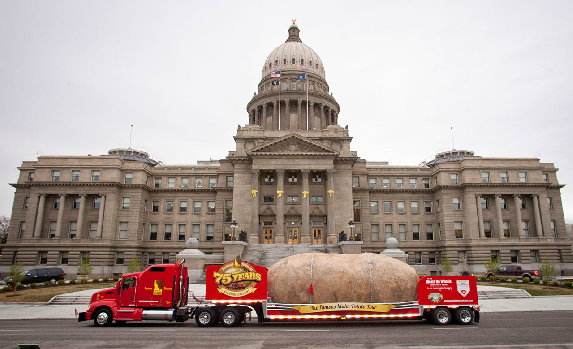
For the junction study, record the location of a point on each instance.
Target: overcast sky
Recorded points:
(74, 75)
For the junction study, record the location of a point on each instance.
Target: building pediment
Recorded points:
(293, 144)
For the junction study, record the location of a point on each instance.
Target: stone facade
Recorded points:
(292, 178)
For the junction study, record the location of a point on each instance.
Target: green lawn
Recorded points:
(45, 293)
(532, 289)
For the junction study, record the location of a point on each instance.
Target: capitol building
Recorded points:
(291, 183)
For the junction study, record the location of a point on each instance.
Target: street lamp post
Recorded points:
(233, 226)
(351, 226)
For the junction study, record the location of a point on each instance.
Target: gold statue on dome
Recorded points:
(294, 21)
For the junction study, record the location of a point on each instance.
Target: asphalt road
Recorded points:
(553, 329)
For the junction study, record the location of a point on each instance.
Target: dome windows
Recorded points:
(284, 62)
(301, 61)
(293, 61)
(310, 64)
(276, 62)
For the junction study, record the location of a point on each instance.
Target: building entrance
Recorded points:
(317, 235)
(269, 236)
(292, 235)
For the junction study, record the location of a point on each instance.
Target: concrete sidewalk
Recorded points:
(14, 311)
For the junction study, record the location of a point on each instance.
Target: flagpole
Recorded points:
(280, 87)
(307, 115)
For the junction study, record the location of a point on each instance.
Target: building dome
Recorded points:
(293, 55)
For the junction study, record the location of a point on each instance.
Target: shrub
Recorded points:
(536, 281)
(19, 287)
(115, 278)
(105, 279)
(555, 283)
(33, 285)
(7, 288)
(84, 281)
(61, 282)
(95, 280)
(525, 280)
(72, 282)
(503, 279)
(514, 280)
(482, 278)
(47, 283)
(568, 283)
(545, 282)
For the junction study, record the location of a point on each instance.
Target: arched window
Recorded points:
(293, 61)
(310, 64)
(276, 62)
(317, 66)
(284, 61)
(301, 61)
(270, 65)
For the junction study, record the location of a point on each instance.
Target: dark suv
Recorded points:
(41, 275)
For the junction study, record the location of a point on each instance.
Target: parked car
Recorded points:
(513, 271)
(41, 275)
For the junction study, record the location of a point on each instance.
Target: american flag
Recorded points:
(276, 74)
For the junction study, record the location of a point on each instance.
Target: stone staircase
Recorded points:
(69, 299)
(503, 293)
(269, 254)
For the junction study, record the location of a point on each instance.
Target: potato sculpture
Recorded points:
(365, 277)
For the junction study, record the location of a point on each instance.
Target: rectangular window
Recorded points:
(387, 206)
(93, 230)
(485, 177)
(372, 183)
(355, 182)
(399, 182)
(155, 206)
(292, 177)
(386, 183)
(545, 177)
(56, 176)
(426, 183)
(128, 179)
(484, 203)
(458, 230)
(401, 207)
(534, 256)
(119, 258)
(64, 257)
(153, 228)
(316, 199)
(414, 207)
(522, 203)
(185, 182)
(427, 206)
(182, 206)
(429, 232)
(197, 206)
(75, 176)
(182, 232)
(73, 230)
(554, 229)
(30, 176)
(456, 205)
(211, 206)
(97, 203)
(415, 232)
(432, 258)
(268, 198)
(151, 258)
(357, 211)
(316, 177)
(525, 226)
(25, 203)
(76, 203)
(96, 175)
(522, 176)
(507, 229)
(494, 255)
(52, 230)
(504, 176)
(292, 199)
(22, 229)
(503, 203)
(418, 257)
(210, 232)
(123, 230)
(165, 258)
(412, 183)
(373, 206)
(487, 229)
(43, 257)
(402, 232)
(196, 231)
(228, 210)
(453, 178)
(514, 256)
(229, 181)
(170, 182)
(550, 203)
(167, 231)
(375, 231)
(157, 182)
(388, 230)
(212, 182)
(198, 182)
(169, 206)
(125, 203)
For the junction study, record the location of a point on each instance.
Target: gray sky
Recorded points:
(74, 75)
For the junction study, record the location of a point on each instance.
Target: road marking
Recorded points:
(307, 330)
(155, 330)
(455, 328)
(16, 330)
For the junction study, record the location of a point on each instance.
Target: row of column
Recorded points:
(281, 121)
(517, 204)
(60, 232)
(305, 205)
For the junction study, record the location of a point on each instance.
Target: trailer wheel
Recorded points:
(103, 317)
(464, 316)
(206, 317)
(441, 316)
(231, 317)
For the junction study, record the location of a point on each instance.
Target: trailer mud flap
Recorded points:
(476, 316)
(82, 317)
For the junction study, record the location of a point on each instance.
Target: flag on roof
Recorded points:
(301, 76)
(275, 82)
(276, 74)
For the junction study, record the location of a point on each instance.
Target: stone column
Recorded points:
(264, 121)
(100, 218)
(40, 216)
(257, 116)
(300, 124)
(60, 221)
(81, 214)
(517, 205)
(322, 123)
(499, 216)
(254, 234)
(252, 117)
(286, 117)
(480, 216)
(537, 213)
(305, 201)
(330, 212)
(311, 121)
(275, 119)
(280, 224)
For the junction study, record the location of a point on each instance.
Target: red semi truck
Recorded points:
(238, 288)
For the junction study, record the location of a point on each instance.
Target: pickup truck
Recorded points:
(513, 271)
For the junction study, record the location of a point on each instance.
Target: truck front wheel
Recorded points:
(206, 317)
(441, 316)
(464, 316)
(231, 317)
(103, 317)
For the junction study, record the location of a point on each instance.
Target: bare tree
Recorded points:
(4, 225)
